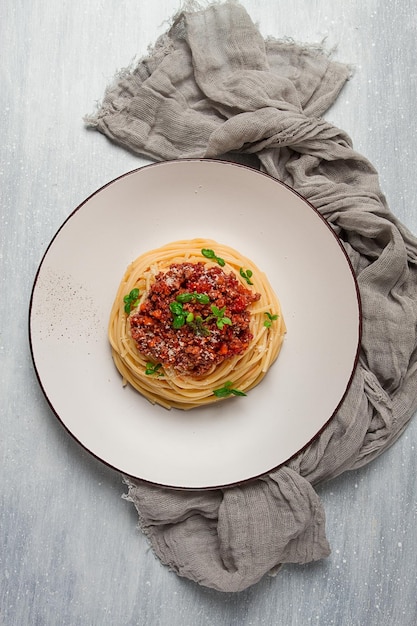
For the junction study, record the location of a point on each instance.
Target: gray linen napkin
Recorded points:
(211, 86)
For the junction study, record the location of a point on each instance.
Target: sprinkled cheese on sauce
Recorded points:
(201, 343)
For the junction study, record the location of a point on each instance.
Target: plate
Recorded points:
(231, 441)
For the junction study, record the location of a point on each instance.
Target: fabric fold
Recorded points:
(211, 86)
(228, 539)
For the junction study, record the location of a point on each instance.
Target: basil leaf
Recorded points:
(202, 298)
(176, 308)
(184, 297)
(179, 321)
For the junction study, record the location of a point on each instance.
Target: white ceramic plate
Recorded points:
(239, 438)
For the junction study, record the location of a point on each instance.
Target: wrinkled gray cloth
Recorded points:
(211, 86)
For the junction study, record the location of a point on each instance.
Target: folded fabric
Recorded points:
(213, 86)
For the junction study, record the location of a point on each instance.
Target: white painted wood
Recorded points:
(70, 552)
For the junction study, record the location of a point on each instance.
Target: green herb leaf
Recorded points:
(153, 368)
(210, 254)
(131, 300)
(246, 275)
(202, 298)
(179, 321)
(198, 326)
(223, 321)
(179, 314)
(216, 311)
(182, 316)
(176, 308)
(184, 297)
(270, 318)
(228, 390)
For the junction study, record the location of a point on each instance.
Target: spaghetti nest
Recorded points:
(194, 322)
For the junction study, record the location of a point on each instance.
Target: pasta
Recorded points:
(194, 322)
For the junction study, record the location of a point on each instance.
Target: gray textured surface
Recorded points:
(70, 551)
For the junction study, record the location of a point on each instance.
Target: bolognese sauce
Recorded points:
(193, 318)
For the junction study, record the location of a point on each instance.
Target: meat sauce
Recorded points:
(192, 349)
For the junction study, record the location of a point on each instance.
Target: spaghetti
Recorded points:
(194, 322)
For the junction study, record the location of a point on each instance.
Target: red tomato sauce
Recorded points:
(198, 345)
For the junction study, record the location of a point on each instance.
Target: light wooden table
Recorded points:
(70, 553)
